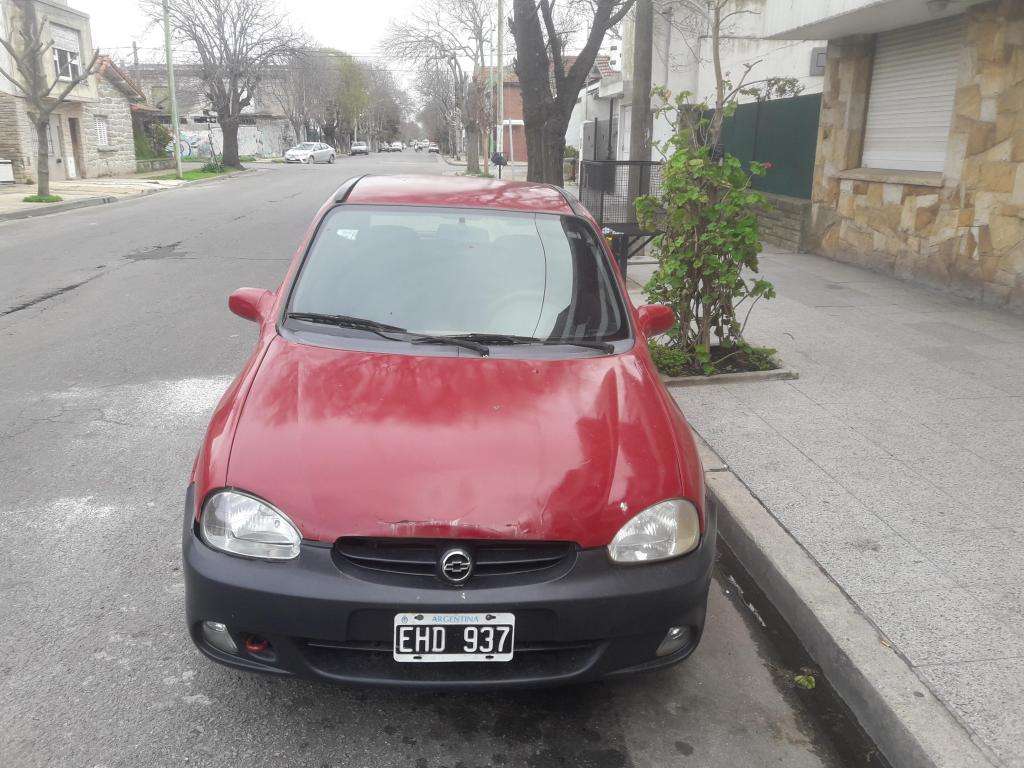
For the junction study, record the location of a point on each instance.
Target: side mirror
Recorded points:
(250, 303)
(655, 318)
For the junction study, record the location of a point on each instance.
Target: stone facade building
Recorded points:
(920, 159)
(110, 144)
(90, 134)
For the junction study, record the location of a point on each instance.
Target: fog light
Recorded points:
(217, 635)
(675, 638)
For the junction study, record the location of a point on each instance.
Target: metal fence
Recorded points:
(783, 132)
(609, 189)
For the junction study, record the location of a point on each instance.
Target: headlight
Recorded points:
(668, 529)
(240, 524)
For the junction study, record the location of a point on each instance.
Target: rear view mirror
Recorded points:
(250, 303)
(655, 319)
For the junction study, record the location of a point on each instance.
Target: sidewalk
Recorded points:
(78, 193)
(897, 461)
(512, 172)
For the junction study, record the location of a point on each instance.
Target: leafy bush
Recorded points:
(143, 148)
(42, 199)
(672, 360)
(709, 240)
(571, 152)
(214, 166)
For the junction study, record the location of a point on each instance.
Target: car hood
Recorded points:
(350, 443)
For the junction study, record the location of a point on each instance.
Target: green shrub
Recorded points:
(214, 166)
(707, 245)
(42, 199)
(143, 148)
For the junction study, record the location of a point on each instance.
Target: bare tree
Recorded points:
(386, 105)
(549, 87)
(28, 50)
(441, 102)
(235, 42)
(293, 86)
(452, 35)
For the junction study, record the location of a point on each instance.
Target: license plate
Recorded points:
(427, 637)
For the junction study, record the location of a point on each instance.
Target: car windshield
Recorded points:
(453, 272)
(305, 145)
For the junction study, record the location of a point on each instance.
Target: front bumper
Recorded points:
(593, 621)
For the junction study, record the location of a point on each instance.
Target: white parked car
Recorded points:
(397, 146)
(310, 152)
(359, 148)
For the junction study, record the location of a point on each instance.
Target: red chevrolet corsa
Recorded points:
(449, 460)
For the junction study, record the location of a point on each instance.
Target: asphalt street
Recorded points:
(115, 344)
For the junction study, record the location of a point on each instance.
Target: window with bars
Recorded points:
(102, 131)
(66, 52)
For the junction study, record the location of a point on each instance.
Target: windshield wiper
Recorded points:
(345, 321)
(505, 338)
(386, 331)
(454, 341)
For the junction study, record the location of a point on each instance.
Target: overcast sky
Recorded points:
(353, 26)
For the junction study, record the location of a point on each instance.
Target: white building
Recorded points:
(682, 60)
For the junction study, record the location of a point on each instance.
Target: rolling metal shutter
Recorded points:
(910, 104)
(65, 38)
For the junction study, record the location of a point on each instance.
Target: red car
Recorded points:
(449, 461)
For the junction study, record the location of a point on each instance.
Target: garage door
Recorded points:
(910, 104)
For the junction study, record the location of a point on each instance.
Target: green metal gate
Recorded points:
(783, 132)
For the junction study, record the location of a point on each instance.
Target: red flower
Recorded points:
(767, 165)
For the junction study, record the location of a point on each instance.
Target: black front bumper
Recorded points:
(592, 621)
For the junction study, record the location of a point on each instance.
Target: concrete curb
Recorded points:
(48, 208)
(911, 727)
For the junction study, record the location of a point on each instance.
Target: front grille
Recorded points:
(419, 557)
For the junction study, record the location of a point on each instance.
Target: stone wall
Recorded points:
(15, 144)
(962, 229)
(783, 222)
(117, 158)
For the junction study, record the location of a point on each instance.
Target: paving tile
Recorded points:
(823, 516)
(986, 695)
(867, 563)
(941, 625)
(983, 556)
(897, 460)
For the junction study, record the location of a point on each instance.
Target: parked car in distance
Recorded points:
(474, 478)
(310, 152)
(433, 148)
(397, 146)
(359, 148)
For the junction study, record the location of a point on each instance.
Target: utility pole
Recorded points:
(173, 93)
(640, 113)
(501, 78)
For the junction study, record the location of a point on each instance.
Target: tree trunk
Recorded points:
(42, 158)
(545, 147)
(229, 155)
(472, 148)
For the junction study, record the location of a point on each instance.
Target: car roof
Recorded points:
(457, 192)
